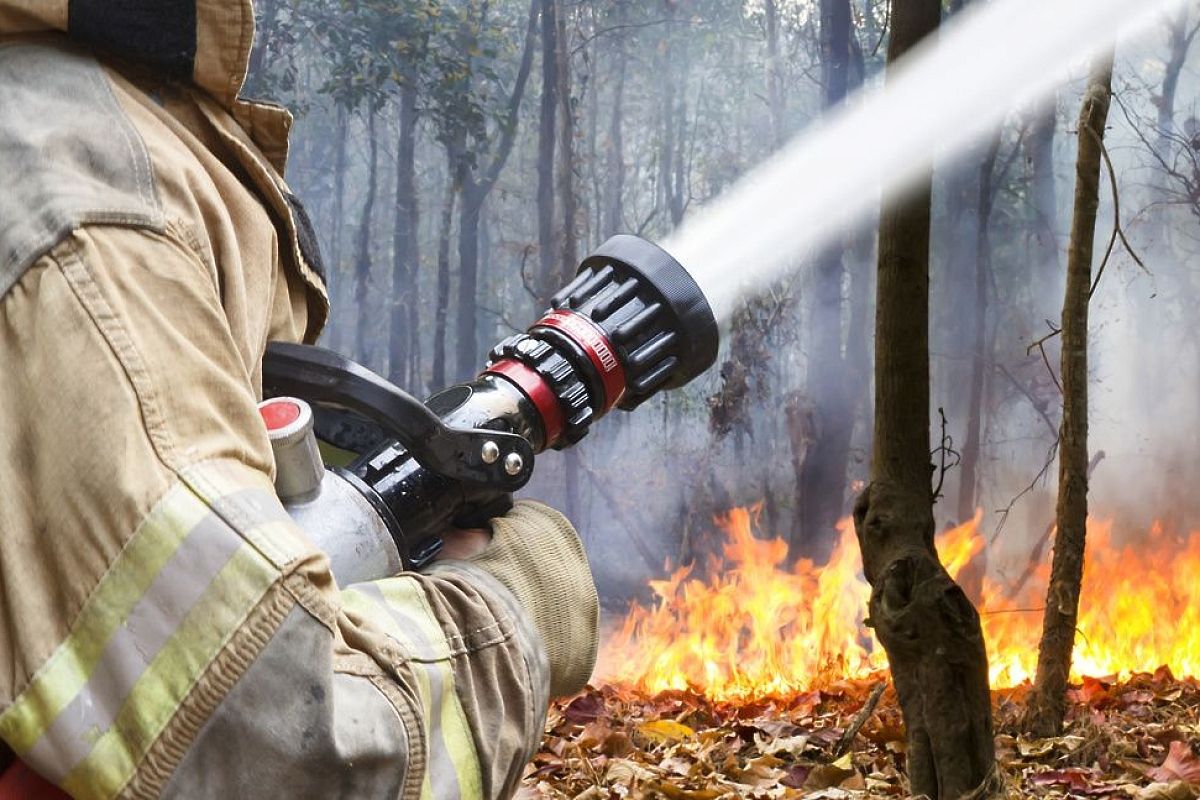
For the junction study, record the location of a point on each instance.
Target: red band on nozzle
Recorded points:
(539, 393)
(593, 341)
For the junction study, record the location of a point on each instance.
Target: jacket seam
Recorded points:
(83, 284)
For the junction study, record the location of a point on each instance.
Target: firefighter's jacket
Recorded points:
(164, 627)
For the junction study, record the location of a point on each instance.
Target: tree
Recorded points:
(925, 622)
(1047, 703)
(467, 124)
(822, 478)
(547, 258)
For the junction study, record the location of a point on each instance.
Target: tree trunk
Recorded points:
(980, 357)
(547, 257)
(339, 340)
(615, 178)
(406, 254)
(367, 327)
(475, 188)
(776, 100)
(442, 303)
(1047, 703)
(469, 358)
(1039, 151)
(822, 479)
(971, 576)
(929, 629)
(569, 235)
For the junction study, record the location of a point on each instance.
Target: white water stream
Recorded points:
(943, 97)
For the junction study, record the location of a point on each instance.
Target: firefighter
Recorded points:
(165, 629)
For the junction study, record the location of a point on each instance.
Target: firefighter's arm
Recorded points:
(165, 627)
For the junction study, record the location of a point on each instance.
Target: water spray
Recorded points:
(631, 324)
(945, 95)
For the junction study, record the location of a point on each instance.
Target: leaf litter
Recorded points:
(1137, 739)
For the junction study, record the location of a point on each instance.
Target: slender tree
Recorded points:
(822, 479)
(476, 174)
(547, 257)
(1047, 703)
(364, 347)
(927, 626)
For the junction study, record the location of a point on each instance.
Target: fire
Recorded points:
(753, 627)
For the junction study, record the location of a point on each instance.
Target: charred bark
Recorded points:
(1047, 703)
(929, 629)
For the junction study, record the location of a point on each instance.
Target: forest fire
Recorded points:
(752, 627)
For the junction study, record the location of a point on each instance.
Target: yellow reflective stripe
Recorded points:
(179, 589)
(66, 672)
(237, 588)
(401, 609)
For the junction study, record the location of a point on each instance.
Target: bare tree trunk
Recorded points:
(406, 253)
(335, 273)
(929, 629)
(367, 327)
(547, 258)
(971, 576)
(776, 101)
(442, 303)
(569, 240)
(1039, 150)
(1047, 703)
(476, 184)
(615, 178)
(980, 356)
(469, 358)
(822, 491)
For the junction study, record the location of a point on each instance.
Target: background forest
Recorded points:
(458, 158)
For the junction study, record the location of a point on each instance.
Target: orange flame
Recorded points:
(755, 628)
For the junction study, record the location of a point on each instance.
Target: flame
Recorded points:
(753, 627)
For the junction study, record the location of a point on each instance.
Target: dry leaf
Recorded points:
(665, 730)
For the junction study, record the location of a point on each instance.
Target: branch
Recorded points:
(860, 719)
(1051, 454)
(1020, 387)
(1040, 344)
(1118, 231)
(945, 448)
(508, 131)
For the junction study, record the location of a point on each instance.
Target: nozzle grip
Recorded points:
(322, 376)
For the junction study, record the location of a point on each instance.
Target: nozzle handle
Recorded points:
(481, 457)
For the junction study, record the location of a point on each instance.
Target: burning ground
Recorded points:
(752, 678)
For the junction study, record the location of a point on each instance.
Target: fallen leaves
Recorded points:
(1135, 740)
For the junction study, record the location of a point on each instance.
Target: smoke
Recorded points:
(952, 92)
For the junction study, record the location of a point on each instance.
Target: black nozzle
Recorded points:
(650, 310)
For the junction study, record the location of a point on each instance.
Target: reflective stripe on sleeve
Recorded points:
(399, 607)
(180, 588)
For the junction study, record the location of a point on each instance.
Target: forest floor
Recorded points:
(1134, 739)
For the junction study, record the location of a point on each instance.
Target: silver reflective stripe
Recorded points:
(443, 779)
(181, 582)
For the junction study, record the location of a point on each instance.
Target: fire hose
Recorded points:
(631, 324)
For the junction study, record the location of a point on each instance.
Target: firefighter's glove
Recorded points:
(537, 554)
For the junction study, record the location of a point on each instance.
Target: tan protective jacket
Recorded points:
(164, 627)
